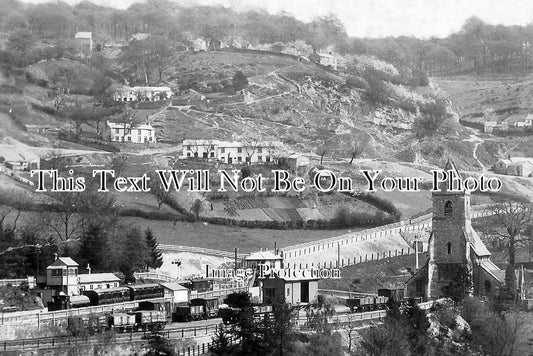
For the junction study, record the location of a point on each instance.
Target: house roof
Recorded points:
(325, 55)
(263, 256)
(98, 277)
(63, 261)
(84, 35)
(515, 160)
(114, 125)
(173, 286)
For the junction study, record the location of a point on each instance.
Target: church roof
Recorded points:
(477, 245)
(493, 270)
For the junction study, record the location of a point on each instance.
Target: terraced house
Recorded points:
(231, 152)
(125, 93)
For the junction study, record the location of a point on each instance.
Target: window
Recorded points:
(270, 292)
(288, 292)
(212, 154)
(448, 208)
(247, 159)
(188, 154)
(239, 159)
(239, 149)
(222, 150)
(260, 158)
(189, 148)
(449, 245)
(117, 131)
(57, 272)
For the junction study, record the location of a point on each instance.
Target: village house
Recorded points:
(268, 258)
(296, 160)
(189, 97)
(325, 59)
(138, 93)
(142, 133)
(85, 39)
(515, 166)
(230, 152)
(454, 249)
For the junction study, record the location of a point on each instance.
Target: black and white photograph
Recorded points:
(266, 178)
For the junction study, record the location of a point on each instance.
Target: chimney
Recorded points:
(89, 268)
(55, 256)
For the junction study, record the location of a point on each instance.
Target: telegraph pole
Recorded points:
(236, 250)
(416, 251)
(338, 255)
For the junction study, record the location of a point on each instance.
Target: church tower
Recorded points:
(449, 248)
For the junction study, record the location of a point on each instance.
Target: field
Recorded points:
(226, 238)
(472, 95)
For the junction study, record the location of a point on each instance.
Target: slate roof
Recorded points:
(63, 261)
(98, 277)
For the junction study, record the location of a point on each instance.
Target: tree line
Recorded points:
(85, 226)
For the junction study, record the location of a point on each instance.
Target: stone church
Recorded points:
(455, 249)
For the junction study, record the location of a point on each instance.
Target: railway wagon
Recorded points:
(145, 291)
(150, 319)
(210, 306)
(394, 295)
(108, 296)
(62, 302)
(361, 304)
(122, 321)
(160, 306)
(184, 313)
(91, 323)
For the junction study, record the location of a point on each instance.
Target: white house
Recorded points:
(85, 38)
(98, 281)
(125, 93)
(516, 166)
(143, 133)
(230, 152)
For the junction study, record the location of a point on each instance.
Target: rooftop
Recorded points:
(263, 256)
(98, 277)
(174, 286)
(64, 261)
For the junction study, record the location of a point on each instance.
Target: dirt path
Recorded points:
(478, 141)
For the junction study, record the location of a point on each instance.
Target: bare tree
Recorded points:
(251, 145)
(118, 164)
(64, 220)
(356, 149)
(12, 204)
(350, 327)
(322, 149)
(513, 218)
(157, 189)
(197, 207)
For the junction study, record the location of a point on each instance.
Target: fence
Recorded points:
(13, 282)
(417, 224)
(205, 251)
(65, 340)
(53, 316)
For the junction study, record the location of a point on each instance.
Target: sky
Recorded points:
(379, 18)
